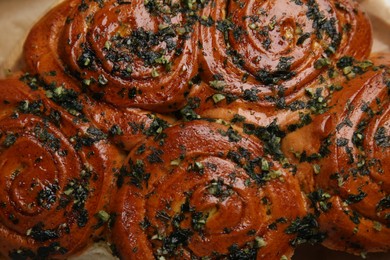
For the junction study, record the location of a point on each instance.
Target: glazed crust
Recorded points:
(250, 127)
(263, 55)
(56, 176)
(123, 53)
(51, 55)
(210, 187)
(351, 171)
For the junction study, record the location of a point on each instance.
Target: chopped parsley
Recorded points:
(381, 138)
(47, 196)
(355, 198)
(320, 200)
(10, 139)
(306, 230)
(136, 172)
(38, 233)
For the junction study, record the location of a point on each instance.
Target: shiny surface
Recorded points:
(41, 173)
(107, 115)
(42, 53)
(107, 34)
(355, 171)
(267, 55)
(241, 206)
(133, 124)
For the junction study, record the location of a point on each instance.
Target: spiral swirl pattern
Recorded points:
(343, 159)
(130, 54)
(196, 188)
(204, 190)
(258, 57)
(357, 171)
(55, 177)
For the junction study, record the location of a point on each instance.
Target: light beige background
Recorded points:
(17, 16)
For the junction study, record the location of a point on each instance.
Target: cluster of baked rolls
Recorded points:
(196, 129)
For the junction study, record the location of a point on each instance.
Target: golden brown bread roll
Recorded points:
(205, 190)
(49, 53)
(56, 177)
(346, 151)
(259, 57)
(208, 187)
(122, 52)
